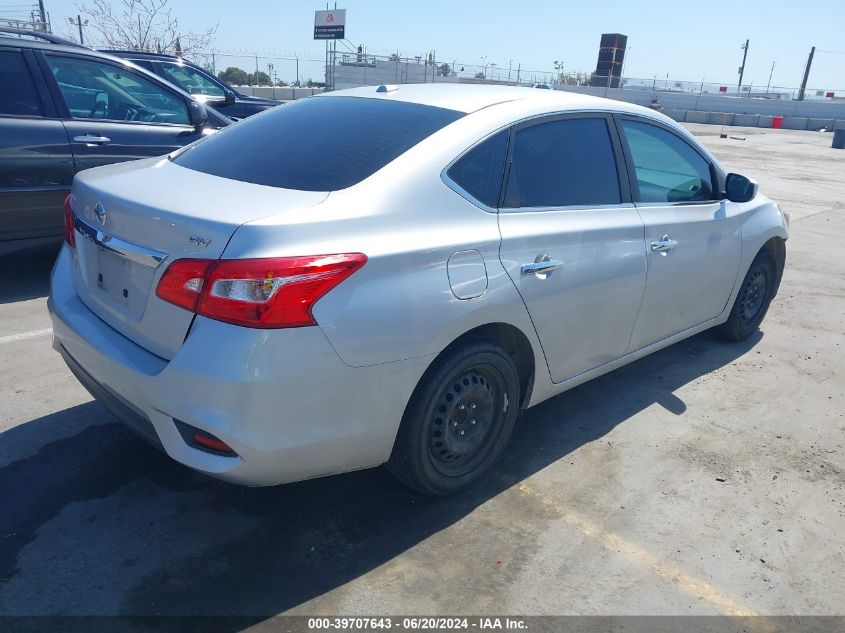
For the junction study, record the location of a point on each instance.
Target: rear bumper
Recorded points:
(282, 399)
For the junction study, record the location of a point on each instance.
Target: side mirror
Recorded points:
(738, 188)
(199, 115)
(230, 97)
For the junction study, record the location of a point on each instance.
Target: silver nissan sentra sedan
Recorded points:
(391, 274)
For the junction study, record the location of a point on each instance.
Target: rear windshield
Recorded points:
(316, 144)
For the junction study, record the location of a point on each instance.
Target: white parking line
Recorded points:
(11, 338)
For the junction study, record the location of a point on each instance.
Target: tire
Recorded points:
(458, 421)
(752, 302)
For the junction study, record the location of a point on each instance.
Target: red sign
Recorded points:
(723, 88)
(829, 95)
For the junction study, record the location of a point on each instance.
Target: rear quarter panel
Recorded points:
(408, 223)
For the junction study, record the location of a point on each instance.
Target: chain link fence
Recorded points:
(350, 67)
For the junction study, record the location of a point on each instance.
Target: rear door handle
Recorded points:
(542, 265)
(664, 245)
(91, 139)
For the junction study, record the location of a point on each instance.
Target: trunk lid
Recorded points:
(133, 219)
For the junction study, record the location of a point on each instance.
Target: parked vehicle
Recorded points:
(433, 259)
(199, 82)
(65, 108)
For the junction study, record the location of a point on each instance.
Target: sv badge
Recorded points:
(199, 241)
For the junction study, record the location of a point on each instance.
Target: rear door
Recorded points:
(572, 241)
(115, 113)
(36, 168)
(692, 235)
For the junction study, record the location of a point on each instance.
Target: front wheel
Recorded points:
(458, 421)
(752, 301)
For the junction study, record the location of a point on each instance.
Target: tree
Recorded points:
(234, 76)
(260, 78)
(394, 57)
(444, 70)
(143, 25)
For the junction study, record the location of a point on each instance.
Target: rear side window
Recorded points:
(17, 90)
(316, 144)
(667, 168)
(562, 163)
(479, 171)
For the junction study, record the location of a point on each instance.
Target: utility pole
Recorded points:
(43, 15)
(78, 22)
(518, 70)
(742, 68)
(806, 74)
(771, 72)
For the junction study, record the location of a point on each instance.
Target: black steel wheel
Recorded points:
(458, 420)
(467, 413)
(753, 299)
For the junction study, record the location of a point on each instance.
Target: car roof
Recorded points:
(472, 97)
(70, 47)
(142, 54)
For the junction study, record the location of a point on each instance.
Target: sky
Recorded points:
(691, 41)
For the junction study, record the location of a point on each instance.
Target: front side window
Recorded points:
(95, 90)
(562, 163)
(479, 171)
(191, 80)
(667, 168)
(316, 144)
(17, 90)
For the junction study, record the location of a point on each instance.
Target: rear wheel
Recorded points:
(458, 421)
(752, 302)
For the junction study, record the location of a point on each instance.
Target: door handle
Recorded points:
(664, 245)
(541, 266)
(91, 139)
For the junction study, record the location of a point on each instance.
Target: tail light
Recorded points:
(70, 234)
(264, 293)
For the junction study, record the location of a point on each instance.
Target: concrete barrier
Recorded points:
(765, 120)
(672, 113)
(795, 122)
(818, 124)
(720, 118)
(747, 120)
(284, 93)
(697, 117)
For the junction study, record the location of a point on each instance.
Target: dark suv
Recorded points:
(198, 82)
(65, 108)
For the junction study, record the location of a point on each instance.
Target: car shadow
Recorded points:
(25, 274)
(114, 526)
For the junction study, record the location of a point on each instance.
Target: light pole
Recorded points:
(742, 68)
(484, 67)
(771, 72)
(78, 22)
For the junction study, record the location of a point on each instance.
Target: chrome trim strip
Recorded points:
(138, 254)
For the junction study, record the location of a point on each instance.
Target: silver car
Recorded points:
(392, 274)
